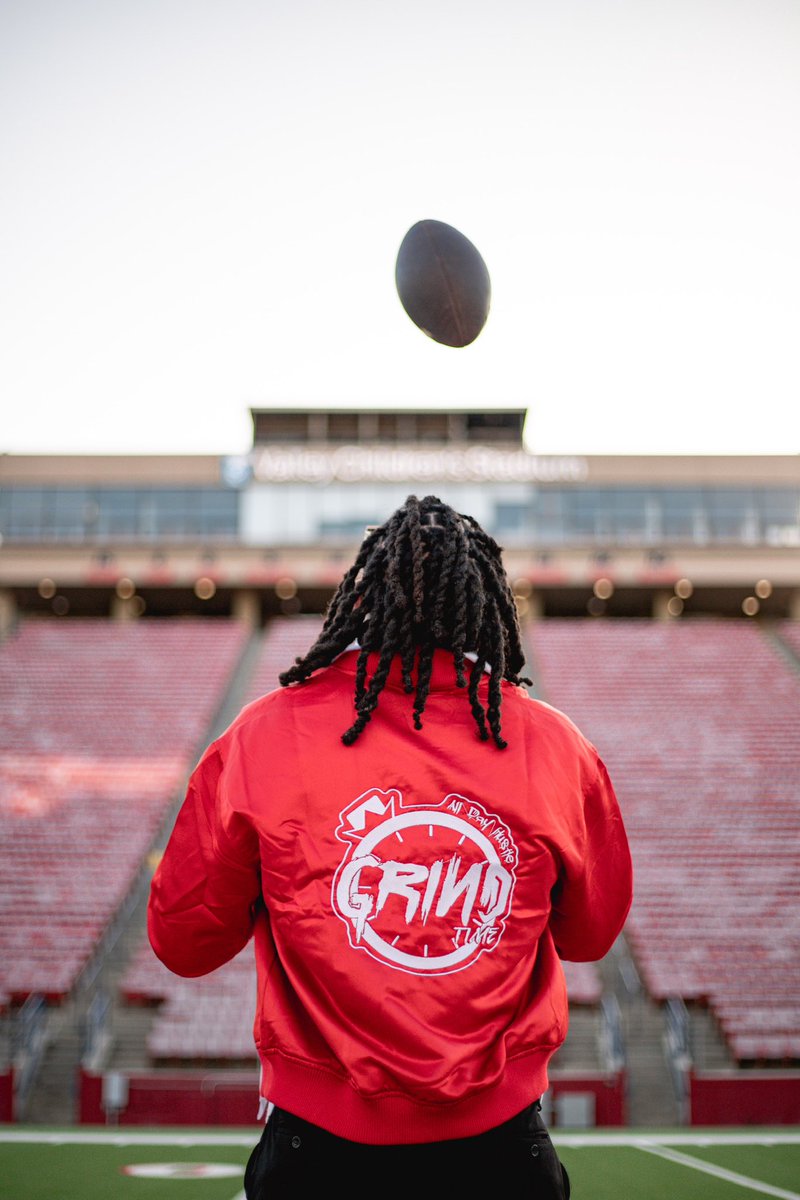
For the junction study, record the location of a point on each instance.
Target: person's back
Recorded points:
(412, 870)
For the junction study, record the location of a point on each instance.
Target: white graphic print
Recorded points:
(425, 888)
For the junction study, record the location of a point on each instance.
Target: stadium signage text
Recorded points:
(362, 464)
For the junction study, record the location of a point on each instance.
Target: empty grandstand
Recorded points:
(700, 727)
(97, 727)
(144, 601)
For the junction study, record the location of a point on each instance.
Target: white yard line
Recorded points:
(99, 1137)
(626, 1137)
(673, 1137)
(698, 1164)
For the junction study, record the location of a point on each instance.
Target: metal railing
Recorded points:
(612, 1041)
(677, 1051)
(96, 1029)
(29, 1041)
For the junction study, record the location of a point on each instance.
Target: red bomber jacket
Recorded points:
(410, 897)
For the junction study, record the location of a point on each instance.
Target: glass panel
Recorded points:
(26, 517)
(343, 427)
(72, 514)
(118, 512)
(780, 516)
(510, 518)
(547, 506)
(432, 427)
(349, 529)
(684, 515)
(731, 512)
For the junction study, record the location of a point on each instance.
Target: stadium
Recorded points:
(227, 231)
(146, 599)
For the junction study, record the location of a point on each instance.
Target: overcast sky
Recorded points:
(202, 202)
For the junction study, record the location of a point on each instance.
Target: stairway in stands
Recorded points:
(651, 1100)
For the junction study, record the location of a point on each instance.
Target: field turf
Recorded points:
(89, 1164)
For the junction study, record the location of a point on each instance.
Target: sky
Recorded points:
(202, 202)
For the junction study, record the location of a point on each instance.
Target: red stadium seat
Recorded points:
(99, 724)
(699, 725)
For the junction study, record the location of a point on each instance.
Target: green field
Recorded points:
(91, 1164)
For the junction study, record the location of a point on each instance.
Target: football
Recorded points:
(443, 283)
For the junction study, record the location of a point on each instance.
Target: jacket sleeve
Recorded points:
(205, 890)
(594, 894)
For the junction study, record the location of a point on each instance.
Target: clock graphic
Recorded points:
(424, 888)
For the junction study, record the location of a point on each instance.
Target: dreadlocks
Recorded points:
(428, 577)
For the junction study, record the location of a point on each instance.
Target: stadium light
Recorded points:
(204, 588)
(285, 588)
(603, 589)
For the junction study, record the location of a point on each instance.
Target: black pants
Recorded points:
(295, 1158)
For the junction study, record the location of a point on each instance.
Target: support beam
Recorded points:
(8, 612)
(125, 610)
(660, 602)
(247, 607)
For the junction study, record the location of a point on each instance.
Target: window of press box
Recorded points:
(90, 514)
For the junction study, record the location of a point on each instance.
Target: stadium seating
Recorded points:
(98, 725)
(284, 639)
(699, 725)
(211, 1018)
(584, 985)
(789, 632)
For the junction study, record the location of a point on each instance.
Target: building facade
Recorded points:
(273, 530)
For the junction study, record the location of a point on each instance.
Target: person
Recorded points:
(413, 841)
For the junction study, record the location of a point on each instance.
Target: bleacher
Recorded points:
(584, 985)
(285, 639)
(697, 721)
(98, 725)
(699, 725)
(789, 633)
(211, 1018)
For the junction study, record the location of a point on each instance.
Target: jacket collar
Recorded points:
(443, 674)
